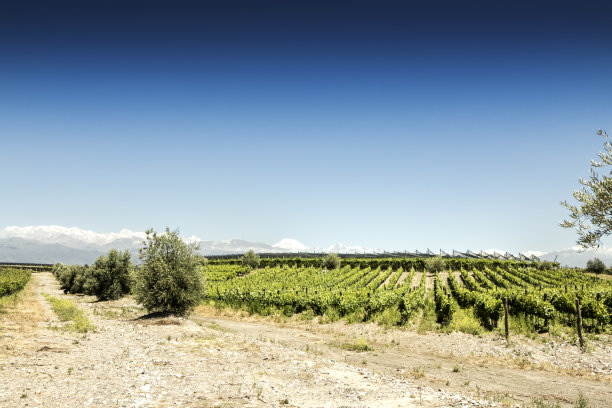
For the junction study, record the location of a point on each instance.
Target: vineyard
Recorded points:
(366, 290)
(13, 280)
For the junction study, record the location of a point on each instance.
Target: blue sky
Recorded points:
(378, 124)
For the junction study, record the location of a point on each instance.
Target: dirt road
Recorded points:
(482, 367)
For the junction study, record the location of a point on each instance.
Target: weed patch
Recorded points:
(418, 372)
(67, 311)
(360, 346)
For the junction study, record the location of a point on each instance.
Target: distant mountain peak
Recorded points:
(52, 243)
(290, 244)
(71, 237)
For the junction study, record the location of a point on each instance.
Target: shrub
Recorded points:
(596, 266)
(109, 277)
(331, 261)
(71, 278)
(250, 259)
(201, 260)
(545, 266)
(435, 264)
(169, 279)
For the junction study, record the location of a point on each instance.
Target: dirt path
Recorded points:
(483, 367)
(402, 279)
(205, 362)
(416, 279)
(386, 282)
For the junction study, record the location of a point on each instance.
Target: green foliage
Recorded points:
(72, 278)
(465, 322)
(331, 261)
(169, 279)
(214, 273)
(445, 307)
(592, 216)
(250, 259)
(378, 294)
(486, 308)
(595, 266)
(201, 260)
(545, 266)
(395, 263)
(13, 280)
(435, 264)
(109, 277)
(67, 311)
(360, 346)
(413, 301)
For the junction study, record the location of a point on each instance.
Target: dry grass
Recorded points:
(20, 316)
(525, 364)
(23, 310)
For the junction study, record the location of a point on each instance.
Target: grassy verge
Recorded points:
(68, 312)
(8, 301)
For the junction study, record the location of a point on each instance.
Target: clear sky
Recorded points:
(381, 124)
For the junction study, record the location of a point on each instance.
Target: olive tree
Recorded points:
(596, 266)
(331, 261)
(592, 215)
(169, 278)
(250, 259)
(109, 276)
(435, 264)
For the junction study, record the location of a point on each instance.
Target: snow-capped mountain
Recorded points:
(345, 249)
(75, 237)
(53, 243)
(574, 257)
(290, 245)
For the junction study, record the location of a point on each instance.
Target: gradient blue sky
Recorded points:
(381, 124)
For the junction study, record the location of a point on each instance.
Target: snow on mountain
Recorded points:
(234, 246)
(534, 253)
(341, 248)
(290, 245)
(74, 237)
(574, 257)
(53, 243)
(21, 250)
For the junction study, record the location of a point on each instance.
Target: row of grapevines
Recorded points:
(397, 274)
(528, 278)
(412, 301)
(215, 273)
(590, 307)
(13, 280)
(379, 279)
(487, 308)
(497, 279)
(444, 305)
(365, 281)
(483, 280)
(513, 280)
(534, 303)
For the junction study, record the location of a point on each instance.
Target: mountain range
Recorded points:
(51, 244)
